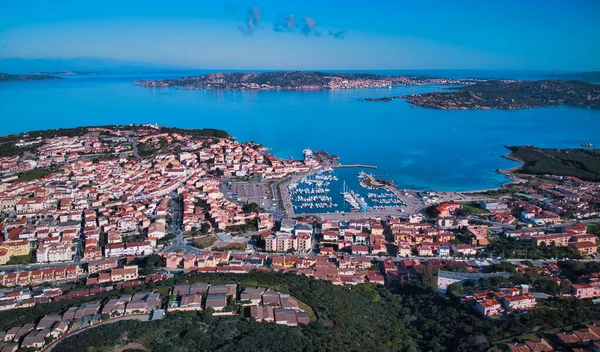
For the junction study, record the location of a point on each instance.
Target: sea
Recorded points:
(418, 148)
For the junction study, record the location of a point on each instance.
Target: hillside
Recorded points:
(581, 163)
(511, 95)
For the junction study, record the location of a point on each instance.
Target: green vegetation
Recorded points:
(498, 94)
(22, 259)
(166, 239)
(250, 225)
(204, 241)
(133, 237)
(251, 208)
(410, 317)
(363, 318)
(5, 77)
(594, 229)
(523, 249)
(581, 163)
(33, 174)
(150, 264)
(234, 246)
(470, 208)
(197, 132)
(573, 269)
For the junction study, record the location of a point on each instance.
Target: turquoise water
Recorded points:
(418, 148)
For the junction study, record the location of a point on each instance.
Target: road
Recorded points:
(140, 317)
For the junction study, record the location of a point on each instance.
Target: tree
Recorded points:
(251, 208)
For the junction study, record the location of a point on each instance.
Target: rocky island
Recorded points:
(509, 94)
(5, 77)
(297, 80)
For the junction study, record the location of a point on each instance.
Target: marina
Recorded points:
(341, 191)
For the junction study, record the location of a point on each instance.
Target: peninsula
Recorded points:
(297, 80)
(5, 77)
(581, 163)
(510, 94)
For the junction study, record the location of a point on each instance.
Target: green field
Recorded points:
(33, 174)
(204, 241)
(22, 259)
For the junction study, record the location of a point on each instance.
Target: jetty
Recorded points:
(356, 165)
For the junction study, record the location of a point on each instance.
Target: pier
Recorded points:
(357, 165)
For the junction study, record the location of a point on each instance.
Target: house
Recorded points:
(463, 249)
(585, 291)
(124, 274)
(262, 313)
(525, 301)
(488, 307)
(444, 250)
(518, 347)
(360, 250)
(584, 247)
(252, 295)
(539, 345)
(425, 251)
(534, 345)
(216, 302)
(404, 250)
(447, 209)
(190, 302)
(227, 289)
(157, 230)
(4, 257)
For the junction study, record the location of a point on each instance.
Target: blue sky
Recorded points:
(326, 34)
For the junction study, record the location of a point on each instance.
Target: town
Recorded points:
(92, 212)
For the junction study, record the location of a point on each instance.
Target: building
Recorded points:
(584, 247)
(493, 205)
(16, 247)
(489, 307)
(124, 274)
(521, 302)
(585, 291)
(54, 252)
(216, 302)
(4, 257)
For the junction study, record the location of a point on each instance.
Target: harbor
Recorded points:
(341, 191)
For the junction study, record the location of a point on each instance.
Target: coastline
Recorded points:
(510, 173)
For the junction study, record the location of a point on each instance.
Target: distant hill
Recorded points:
(590, 77)
(294, 80)
(511, 95)
(19, 65)
(5, 77)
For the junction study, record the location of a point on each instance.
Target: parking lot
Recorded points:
(248, 192)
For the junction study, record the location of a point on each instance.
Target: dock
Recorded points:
(357, 165)
(332, 161)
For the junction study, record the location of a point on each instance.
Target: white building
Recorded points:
(55, 252)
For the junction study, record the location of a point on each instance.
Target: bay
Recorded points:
(418, 148)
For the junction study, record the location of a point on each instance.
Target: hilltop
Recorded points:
(511, 95)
